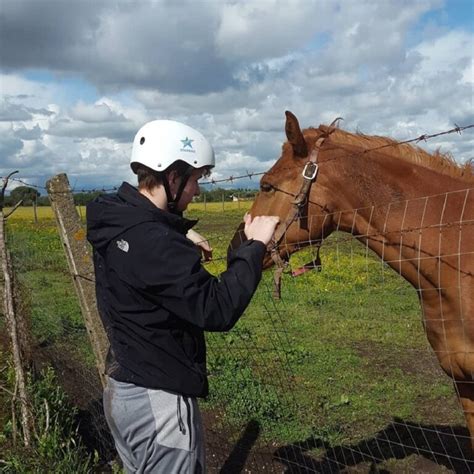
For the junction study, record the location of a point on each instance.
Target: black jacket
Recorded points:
(154, 296)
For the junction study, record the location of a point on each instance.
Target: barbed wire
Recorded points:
(231, 179)
(249, 175)
(425, 137)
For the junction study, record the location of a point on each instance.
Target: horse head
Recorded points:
(294, 190)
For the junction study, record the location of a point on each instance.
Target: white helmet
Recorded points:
(160, 143)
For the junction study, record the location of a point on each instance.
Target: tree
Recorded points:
(84, 198)
(25, 193)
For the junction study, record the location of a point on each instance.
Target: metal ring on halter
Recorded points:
(310, 170)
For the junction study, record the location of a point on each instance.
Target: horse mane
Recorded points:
(437, 161)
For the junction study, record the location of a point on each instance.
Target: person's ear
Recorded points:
(172, 176)
(173, 179)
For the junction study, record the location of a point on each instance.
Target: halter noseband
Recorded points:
(310, 174)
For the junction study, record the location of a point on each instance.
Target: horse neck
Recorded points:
(392, 207)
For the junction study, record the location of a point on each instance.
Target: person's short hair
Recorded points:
(149, 179)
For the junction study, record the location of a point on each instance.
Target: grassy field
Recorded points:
(44, 212)
(339, 365)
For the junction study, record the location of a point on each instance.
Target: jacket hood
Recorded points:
(110, 215)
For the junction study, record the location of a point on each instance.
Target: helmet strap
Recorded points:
(173, 202)
(169, 196)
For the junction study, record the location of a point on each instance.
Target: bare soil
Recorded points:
(400, 448)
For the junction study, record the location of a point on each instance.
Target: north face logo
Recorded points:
(123, 245)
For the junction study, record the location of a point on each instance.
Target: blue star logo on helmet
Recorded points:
(187, 142)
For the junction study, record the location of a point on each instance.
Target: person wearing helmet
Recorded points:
(156, 299)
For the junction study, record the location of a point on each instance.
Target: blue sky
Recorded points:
(75, 91)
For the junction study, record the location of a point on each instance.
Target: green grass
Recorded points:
(338, 358)
(46, 290)
(55, 446)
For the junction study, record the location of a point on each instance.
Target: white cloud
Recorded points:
(282, 26)
(13, 113)
(95, 113)
(450, 52)
(24, 133)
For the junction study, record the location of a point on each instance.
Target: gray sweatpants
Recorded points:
(155, 431)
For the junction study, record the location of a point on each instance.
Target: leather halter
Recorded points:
(310, 174)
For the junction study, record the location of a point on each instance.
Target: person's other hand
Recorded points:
(201, 243)
(260, 228)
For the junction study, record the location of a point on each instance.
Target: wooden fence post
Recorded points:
(14, 327)
(10, 317)
(73, 237)
(35, 211)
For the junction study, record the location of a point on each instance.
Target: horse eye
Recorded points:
(266, 188)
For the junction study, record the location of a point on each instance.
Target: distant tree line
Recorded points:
(216, 194)
(27, 195)
(30, 196)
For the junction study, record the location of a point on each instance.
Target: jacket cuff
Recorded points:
(258, 246)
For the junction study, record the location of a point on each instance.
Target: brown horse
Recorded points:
(413, 209)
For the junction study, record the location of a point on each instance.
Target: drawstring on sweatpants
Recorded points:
(182, 428)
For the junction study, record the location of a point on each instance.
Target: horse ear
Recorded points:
(295, 136)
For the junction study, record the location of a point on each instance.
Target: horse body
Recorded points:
(414, 210)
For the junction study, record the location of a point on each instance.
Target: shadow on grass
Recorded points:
(95, 433)
(237, 459)
(445, 446)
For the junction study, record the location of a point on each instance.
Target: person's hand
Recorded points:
(260, 228)
(201, 243)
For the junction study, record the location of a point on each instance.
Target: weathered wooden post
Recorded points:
(73, 237)
(14, 326)
(35, 211)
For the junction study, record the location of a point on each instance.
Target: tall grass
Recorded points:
(56, 446)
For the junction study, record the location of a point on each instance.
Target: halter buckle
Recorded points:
(310, 170)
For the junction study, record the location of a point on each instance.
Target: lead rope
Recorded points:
(315, 264)
(280, 266)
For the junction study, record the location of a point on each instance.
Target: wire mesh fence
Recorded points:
(337, 375)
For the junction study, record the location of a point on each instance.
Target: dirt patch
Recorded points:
(424, 367)
(422, 363)
(244, 454)
(4, 340)
(400, 448)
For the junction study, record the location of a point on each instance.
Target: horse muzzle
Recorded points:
(274, 254)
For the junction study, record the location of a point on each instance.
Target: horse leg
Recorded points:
(452, 342)
(465, 392)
